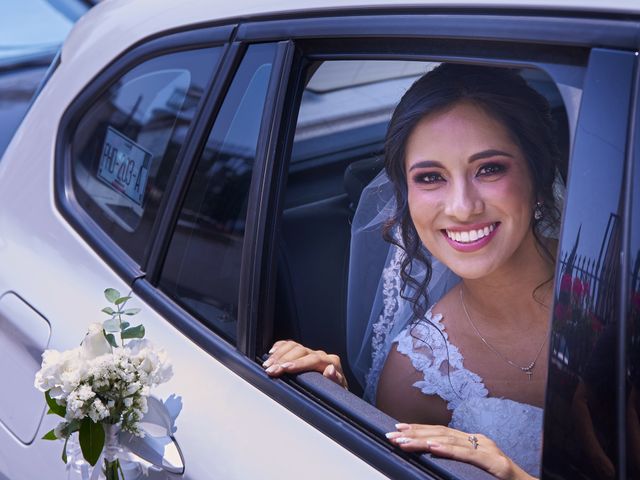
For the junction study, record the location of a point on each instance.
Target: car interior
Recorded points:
(335, 155)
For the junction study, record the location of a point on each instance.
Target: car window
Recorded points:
(125, 145)
(337, 151)
(202, 266)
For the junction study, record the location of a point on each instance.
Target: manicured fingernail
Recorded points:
(402, 440)
(273, 349)
(287, 365)
(267, 362)
(403, 426)
(331, 370)
(433, 444)
(272, 368)
(391, 435)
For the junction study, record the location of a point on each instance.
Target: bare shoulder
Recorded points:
(397, 396)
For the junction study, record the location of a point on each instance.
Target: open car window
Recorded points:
(337, 150)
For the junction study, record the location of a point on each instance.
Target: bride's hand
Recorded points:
(447, 442)
(287, 356)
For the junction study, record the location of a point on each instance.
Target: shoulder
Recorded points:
(398, 397)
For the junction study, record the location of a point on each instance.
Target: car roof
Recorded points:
(111, 27)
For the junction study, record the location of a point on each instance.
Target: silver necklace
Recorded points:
(528, 370)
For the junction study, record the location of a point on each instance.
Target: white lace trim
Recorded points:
(427, 346)
(382, 328)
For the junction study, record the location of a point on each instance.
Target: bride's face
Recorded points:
(470, 192)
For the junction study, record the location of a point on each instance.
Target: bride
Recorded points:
(456, 344)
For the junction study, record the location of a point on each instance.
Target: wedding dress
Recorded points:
(515, 427)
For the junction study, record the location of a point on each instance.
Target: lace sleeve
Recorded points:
(441, 364)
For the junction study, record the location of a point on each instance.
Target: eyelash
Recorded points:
(486, 170)
(490, 169)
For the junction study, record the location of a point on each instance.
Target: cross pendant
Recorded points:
(529, 373)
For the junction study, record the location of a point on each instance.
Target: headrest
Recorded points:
(358, 175)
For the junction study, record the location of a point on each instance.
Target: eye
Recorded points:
(428, 178)
(490, 169)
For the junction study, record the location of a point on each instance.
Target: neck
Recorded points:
(524, 287)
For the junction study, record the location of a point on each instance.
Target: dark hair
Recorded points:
(505, 96)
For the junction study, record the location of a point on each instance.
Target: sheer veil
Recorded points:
(376, 313)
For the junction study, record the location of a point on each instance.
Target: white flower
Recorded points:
(60, 372)
(103, 383)
(95, 343)
(97, 411)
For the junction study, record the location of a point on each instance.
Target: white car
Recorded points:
(208, 156)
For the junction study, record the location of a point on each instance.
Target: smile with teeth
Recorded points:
(470, 236)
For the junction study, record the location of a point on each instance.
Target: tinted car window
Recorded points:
(633, 321)
(126, 144)
(581, 417)
(202, 266)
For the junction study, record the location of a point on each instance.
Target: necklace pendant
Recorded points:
(529, 374)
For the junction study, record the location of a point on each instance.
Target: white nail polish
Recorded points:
(402, 440)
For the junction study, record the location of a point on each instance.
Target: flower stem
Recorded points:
(112, 470)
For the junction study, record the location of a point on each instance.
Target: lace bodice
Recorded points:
(515, 427)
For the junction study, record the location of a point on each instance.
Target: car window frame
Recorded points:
(65, 198)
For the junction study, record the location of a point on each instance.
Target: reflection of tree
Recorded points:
(583, 357)
(586, 300)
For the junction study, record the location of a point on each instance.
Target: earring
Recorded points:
(537, 211)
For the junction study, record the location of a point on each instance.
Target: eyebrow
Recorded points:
(476, 156)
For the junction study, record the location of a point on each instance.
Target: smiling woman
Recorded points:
(472, 160)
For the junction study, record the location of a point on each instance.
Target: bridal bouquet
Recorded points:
(102, 386)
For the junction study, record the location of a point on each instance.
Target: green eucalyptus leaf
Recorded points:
(133, 332)
(109, 311)
(111, 339)
(111, 325)
(50, 435)
(91, 440)
(121, 300)
(131, 311)
(111, 294)
(124, 325)
(53, 405)
(64, 450)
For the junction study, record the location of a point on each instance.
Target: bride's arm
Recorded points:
(287, 356)
(398, 397)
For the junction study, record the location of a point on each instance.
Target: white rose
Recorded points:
(95, 343)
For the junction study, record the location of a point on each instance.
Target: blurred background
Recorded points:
(31, 33)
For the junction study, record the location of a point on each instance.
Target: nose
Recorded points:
(463, 201)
